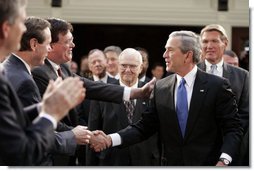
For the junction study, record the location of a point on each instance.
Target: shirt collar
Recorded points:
(208, 64)
(189, 78)
(143, 78)
(134, 85)
(104, 79)
(54, 65)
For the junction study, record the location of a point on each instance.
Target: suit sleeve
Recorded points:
(228, 117)
(104, 92)
(65, 143)
(243, 104)
(21, 143)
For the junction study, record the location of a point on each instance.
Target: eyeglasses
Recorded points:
(125, 66)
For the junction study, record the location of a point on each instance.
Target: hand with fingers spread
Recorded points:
(143, 92)
(100, 141)
(61, 96)
(82, 134)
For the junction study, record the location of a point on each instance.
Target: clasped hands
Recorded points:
(99, 141)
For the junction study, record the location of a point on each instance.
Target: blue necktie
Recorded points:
(182, 106)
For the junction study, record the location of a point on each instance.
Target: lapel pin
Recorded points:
(202, 91)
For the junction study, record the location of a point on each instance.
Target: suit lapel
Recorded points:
(51, 72)
(226, 71)
(202, 66)
(198, 96)
(171, 101)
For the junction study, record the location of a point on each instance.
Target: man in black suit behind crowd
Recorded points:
(194, 112)
(111, 117)
(214, 41)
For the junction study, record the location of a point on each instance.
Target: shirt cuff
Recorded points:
(226, 156)
(49, 117)
(126, 93)
(116, 139)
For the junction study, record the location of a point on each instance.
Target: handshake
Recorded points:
(98, 140)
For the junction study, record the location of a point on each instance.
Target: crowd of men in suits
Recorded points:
(197, 116)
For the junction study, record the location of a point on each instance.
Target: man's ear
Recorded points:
(189, 56)
(226, 43)
(5, 29)
(33, 43)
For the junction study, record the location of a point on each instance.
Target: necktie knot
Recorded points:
(182, 82)
(213, 69)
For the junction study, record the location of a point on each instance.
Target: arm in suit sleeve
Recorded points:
(226, 110)
(21, 144)
(104, 92)
(94, 90)
(65, 143)
(243, 104)
(32, 111)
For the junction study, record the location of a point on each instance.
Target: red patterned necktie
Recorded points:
(129, 106)
(59, 72)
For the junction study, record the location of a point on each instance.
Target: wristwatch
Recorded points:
(225, 161)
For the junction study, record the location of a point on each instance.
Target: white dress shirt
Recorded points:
(219, 71)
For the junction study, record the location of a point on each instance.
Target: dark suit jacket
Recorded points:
(28, 93)
(94, 90)
(111, 117)
(84, 108)
(22, 143)
(147, 79)
(213, 124)
(239, 81)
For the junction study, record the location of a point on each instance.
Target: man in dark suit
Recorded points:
(35, 44)
(214, 41)
(194, 112)
(145, 58)
(24, 142)
(61, 52)
(97, 63)
(112, 52)
(111, 117)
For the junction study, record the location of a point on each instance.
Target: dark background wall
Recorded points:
(153, 38)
